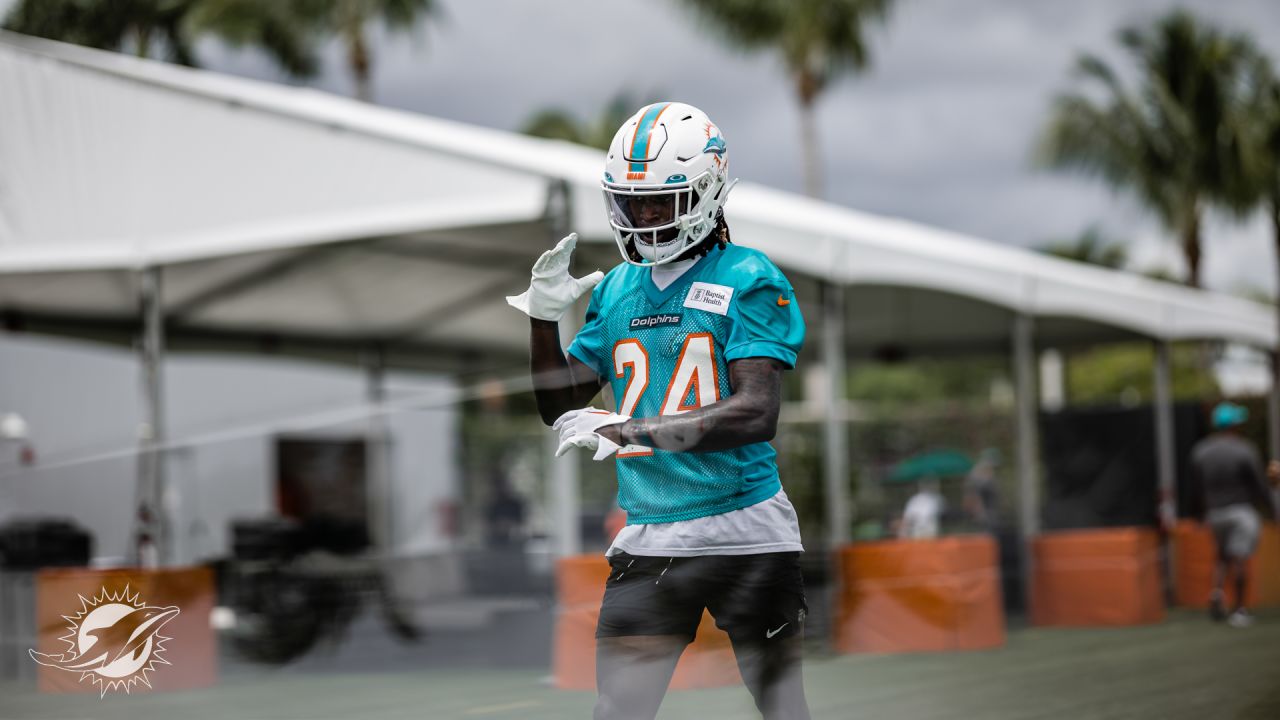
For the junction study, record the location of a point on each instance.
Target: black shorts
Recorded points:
(757, 596)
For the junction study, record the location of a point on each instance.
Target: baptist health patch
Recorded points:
(709, 297)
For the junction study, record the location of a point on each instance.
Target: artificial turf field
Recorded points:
(1186, 667)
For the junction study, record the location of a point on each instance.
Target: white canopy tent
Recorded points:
(249, 216)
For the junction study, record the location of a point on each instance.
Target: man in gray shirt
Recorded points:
(1228, 472)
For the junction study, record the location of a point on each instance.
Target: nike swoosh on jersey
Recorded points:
(770, 633)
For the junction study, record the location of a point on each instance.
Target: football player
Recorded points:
(693, 333)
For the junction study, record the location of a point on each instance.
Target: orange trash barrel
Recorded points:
(1108, 576)
(707, 662)
(920, 595)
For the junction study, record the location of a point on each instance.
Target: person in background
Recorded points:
(505, 513)
(921, 516)
(1227, 470)
(980, 490)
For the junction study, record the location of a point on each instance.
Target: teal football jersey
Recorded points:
(667, 351)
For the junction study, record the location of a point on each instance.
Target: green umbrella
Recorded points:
(939, 463)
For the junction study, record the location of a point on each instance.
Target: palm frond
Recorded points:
(269, 26)
(819, 38)
(405, 14)
(1090, 247)
(555, 124)
(1179, 138)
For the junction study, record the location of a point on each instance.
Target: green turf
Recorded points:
(1183, 668)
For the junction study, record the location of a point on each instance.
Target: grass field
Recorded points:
(1183, 668)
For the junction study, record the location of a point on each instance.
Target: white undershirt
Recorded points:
(664, 275)
(768, 526)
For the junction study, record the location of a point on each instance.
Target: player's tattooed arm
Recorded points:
(747, 416)
(560, 383)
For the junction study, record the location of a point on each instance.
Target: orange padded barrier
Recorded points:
(919, 595)
(707, 662)
(1194, 556)
(1105, 576)
(178, 651)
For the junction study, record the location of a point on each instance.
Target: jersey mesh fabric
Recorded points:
(658, 486)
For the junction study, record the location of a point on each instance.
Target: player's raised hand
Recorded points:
(552, 291)
(578, 428)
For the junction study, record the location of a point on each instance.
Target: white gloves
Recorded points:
(578, 429)
(552, 291)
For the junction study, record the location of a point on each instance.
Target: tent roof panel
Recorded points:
(175, 166)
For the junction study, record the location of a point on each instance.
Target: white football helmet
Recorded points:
(665, 180)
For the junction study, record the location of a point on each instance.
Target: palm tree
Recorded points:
(348, 19)
(172, 26)
(819, 40)
(559, 124)
(1170, 141)
(1092, 248)
(1260, 126)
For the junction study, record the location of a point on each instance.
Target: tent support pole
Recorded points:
(564, 491)
(1166, 466)
(1028, 443)
(1273, 418)
(377, 461)
(152, 543)
(1273, 407)
(835, 446)
(835, 431)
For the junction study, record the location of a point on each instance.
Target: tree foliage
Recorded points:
(560, 124)
(1122, 374)
(818, 41)
(288, 31)
(169, 29)
(349, 21)
(1092, 248)
(1174, 139)
(891, 386)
